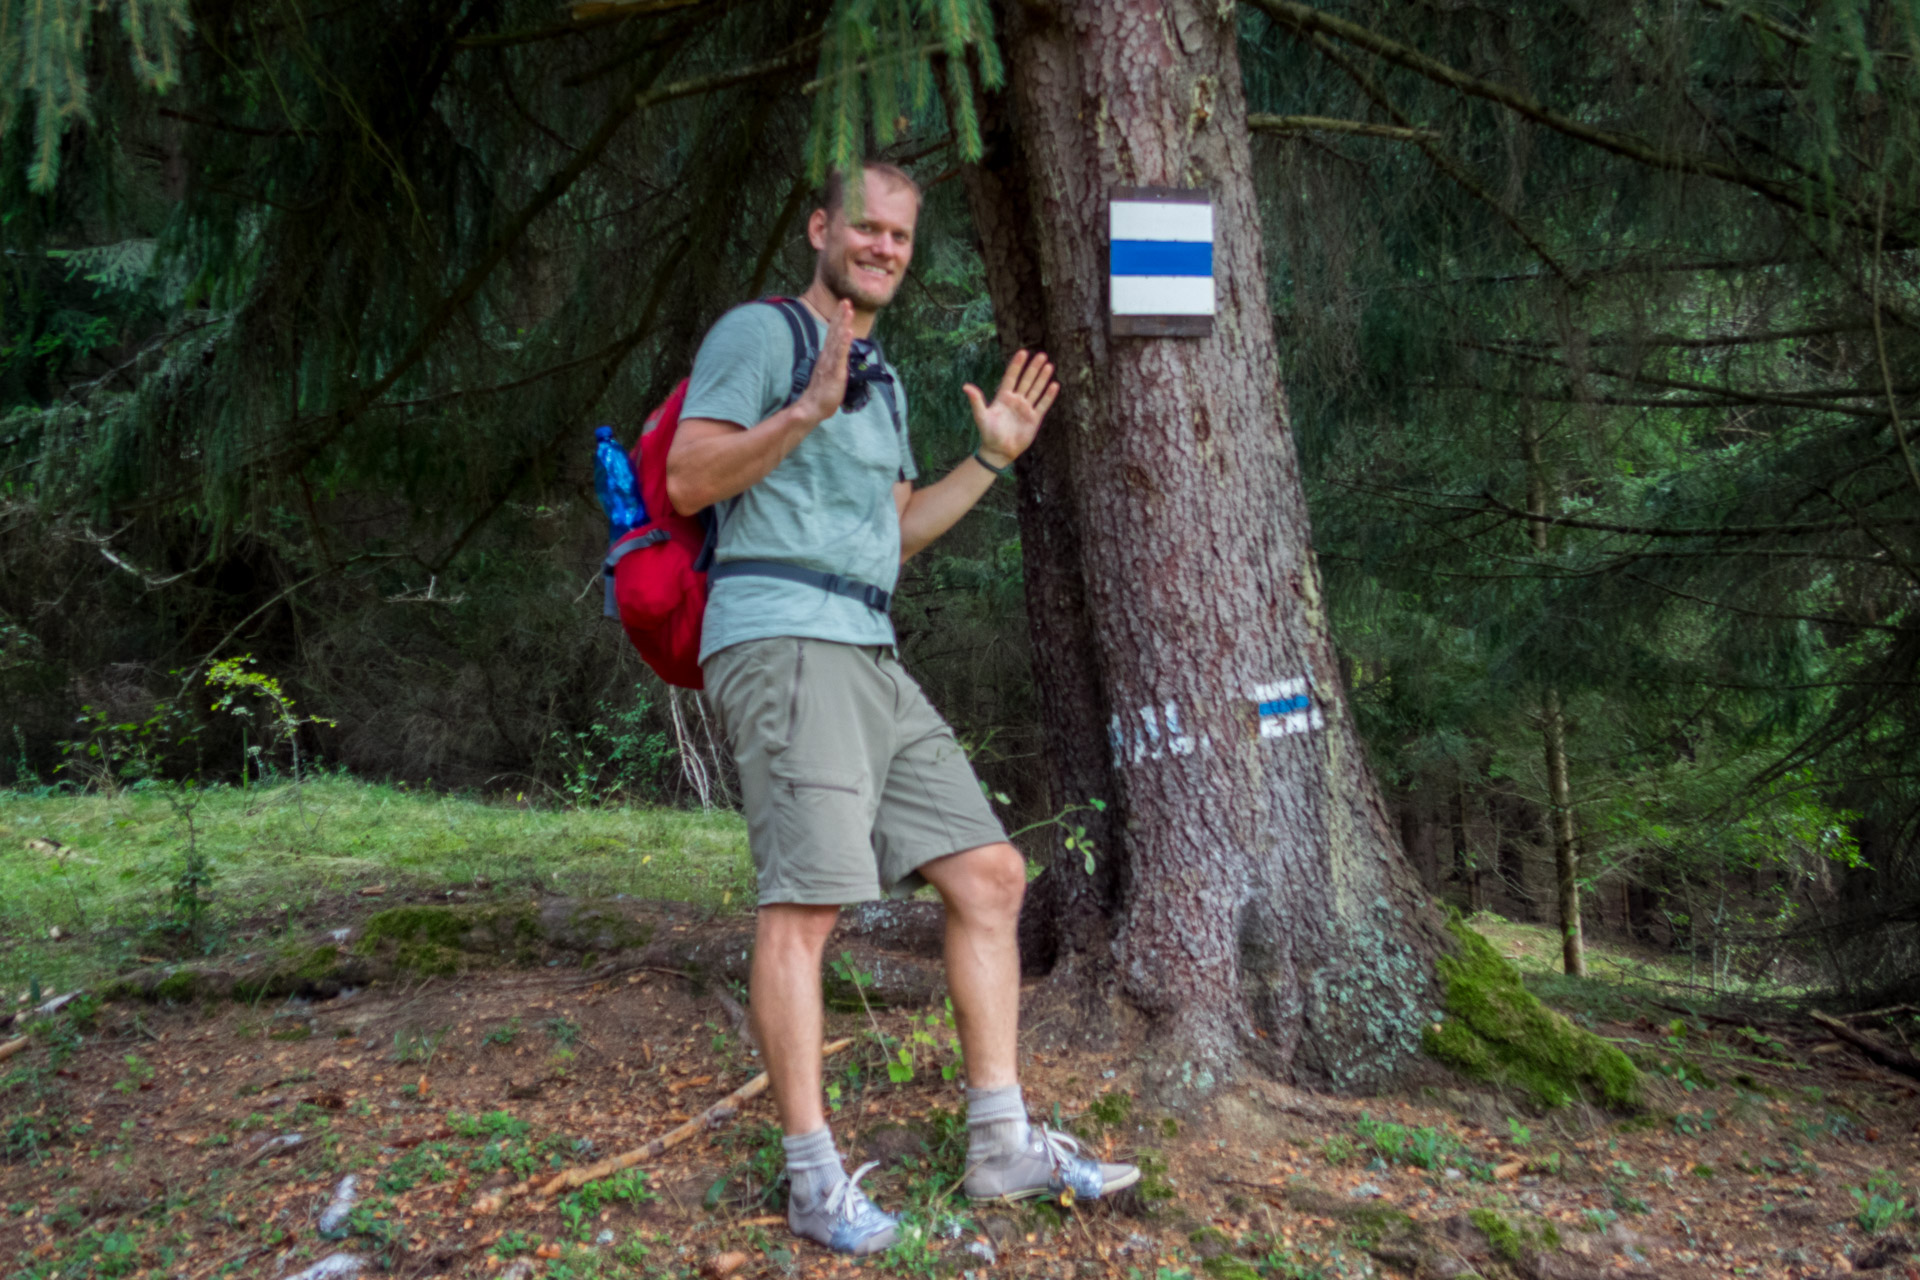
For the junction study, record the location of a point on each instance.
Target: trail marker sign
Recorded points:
(1160, 247)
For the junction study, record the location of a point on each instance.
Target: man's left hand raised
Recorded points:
(1007, 425)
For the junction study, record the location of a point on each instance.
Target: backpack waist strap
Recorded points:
(865, 592)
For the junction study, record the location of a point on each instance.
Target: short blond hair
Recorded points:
(832, 194)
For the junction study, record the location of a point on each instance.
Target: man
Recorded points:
(852, 784)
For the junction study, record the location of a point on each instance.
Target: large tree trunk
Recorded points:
(1064, 922)
(1262, 906)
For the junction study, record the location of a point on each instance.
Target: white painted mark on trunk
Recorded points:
(1286, 706)
(1148, 742)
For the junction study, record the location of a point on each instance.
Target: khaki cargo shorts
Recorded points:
(851, 781)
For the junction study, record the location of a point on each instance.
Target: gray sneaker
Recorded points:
(845, 1220)
(1051, 1164)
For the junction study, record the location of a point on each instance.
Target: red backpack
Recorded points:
(657, 573)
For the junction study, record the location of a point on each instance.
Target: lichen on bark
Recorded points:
(1495, 1029)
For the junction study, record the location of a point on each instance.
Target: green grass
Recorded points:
(1624, 980)
(1534, 949)
(275, 856)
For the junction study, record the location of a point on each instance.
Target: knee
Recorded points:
(791, 929)
(997, 884)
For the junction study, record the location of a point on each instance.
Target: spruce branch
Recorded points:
(1310, 22)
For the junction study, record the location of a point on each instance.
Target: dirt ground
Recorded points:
(206, 1140)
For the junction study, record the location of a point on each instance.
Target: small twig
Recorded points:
(737, 1016)
(1247, 1182)
(568, 1179)
(621, 971)
(1882, 1013)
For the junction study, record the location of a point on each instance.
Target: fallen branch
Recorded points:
(1883, 1013)
(1886, 1056)
(568, 1179)
(39, 1011)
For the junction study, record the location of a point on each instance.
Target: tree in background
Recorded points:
(1640, 279)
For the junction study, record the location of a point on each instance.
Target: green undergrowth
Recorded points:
(1625, 980)
(1495, 1029)
(98, 868)
(1512, 1239)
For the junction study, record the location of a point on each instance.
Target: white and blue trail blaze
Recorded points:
(1286, 706)
(1162, 255)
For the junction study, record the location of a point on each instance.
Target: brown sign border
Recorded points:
(1159, 326)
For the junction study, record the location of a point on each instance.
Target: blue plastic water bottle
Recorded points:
(614, 480)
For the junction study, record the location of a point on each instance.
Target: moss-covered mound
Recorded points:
(1497, 1030)
(433, 940)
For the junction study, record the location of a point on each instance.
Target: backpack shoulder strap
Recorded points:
(806, 343)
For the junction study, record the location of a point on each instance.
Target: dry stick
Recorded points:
(1904, 1063)
(12, 1047)
(1881, 1013)
(568, 1179)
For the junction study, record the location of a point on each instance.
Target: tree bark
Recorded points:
(1262, 907)
(1064, 921)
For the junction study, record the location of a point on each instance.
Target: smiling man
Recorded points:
(853, 785)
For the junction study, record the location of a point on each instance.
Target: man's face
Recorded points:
(865, 261)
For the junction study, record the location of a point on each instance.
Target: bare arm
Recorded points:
(1007, 426)
(927, 513)
(712, 461)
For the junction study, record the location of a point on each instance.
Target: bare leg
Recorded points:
(788, 1016)
(982, 888)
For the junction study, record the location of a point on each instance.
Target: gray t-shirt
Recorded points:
(827, 506)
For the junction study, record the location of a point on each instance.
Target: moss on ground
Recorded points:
(431, 941)
(177, 987)
(1512, 1239)
(422, 940)
(1498, 1030)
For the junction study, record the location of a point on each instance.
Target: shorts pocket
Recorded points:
(793, 779)
(822, 828)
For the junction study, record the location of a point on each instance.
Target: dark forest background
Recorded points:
(1599, 328)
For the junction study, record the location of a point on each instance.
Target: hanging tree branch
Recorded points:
(1260, 122)
(1715, 531)
(1309, 21)
(551, 191)
(1428, 142)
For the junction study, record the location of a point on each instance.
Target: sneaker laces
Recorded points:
(847, 1201)
(1060, 1148)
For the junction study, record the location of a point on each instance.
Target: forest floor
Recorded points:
(205, 1138)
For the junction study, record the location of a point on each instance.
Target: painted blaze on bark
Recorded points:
(1262, 908)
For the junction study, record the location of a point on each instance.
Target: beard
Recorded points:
(843, 281)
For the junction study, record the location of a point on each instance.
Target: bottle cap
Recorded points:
(603, 433)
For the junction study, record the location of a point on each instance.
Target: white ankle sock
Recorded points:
(996, 1122)
(813, 1164)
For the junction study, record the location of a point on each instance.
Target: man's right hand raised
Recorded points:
(711, 461)
(828, 386)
